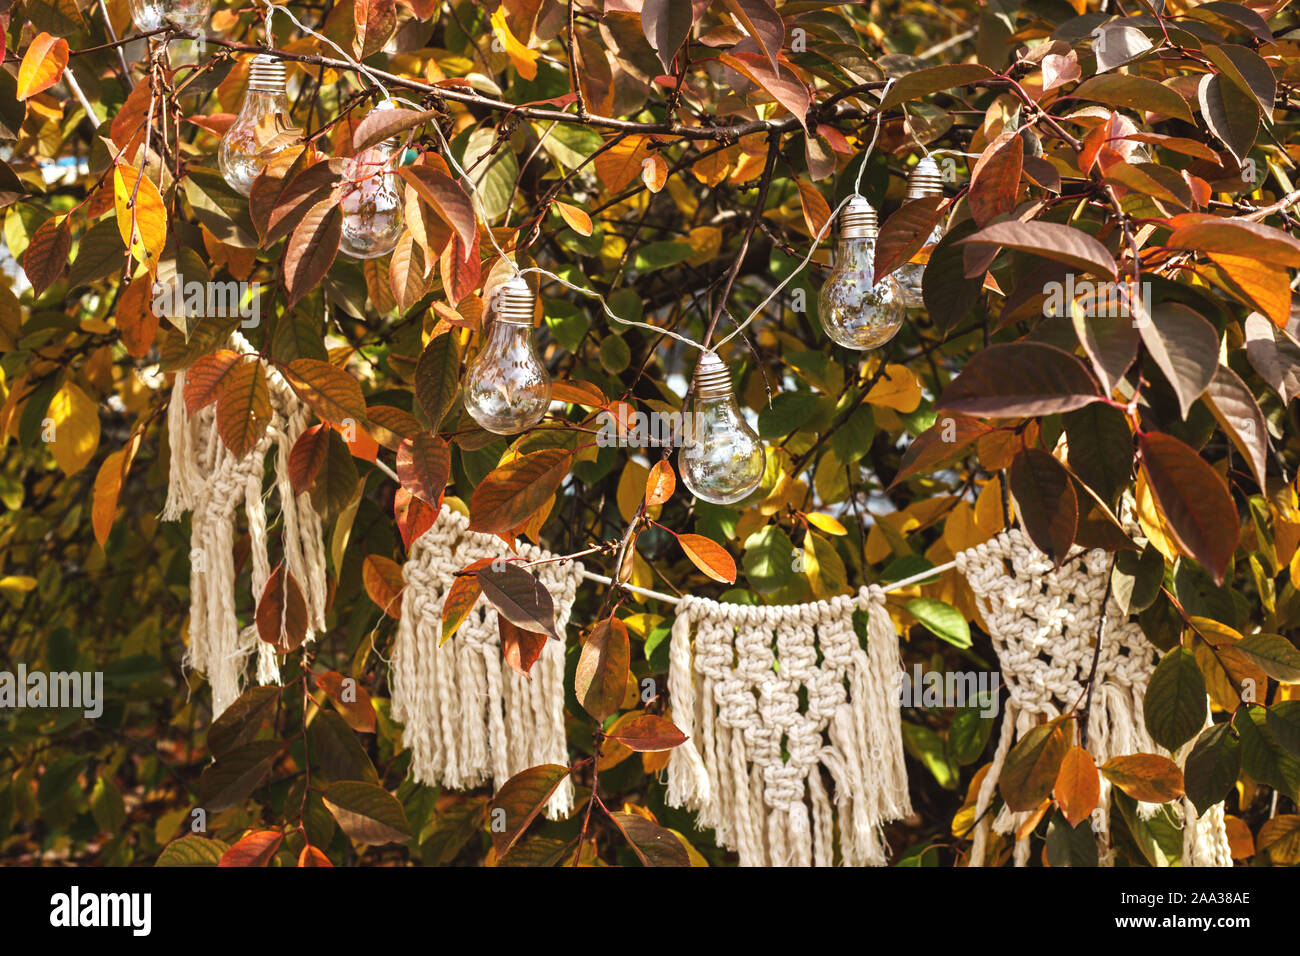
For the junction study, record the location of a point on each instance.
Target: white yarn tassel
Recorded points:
(688, 780)
(467, 718)
(207, 480)
(769, 697)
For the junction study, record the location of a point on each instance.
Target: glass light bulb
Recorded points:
(263, 132)
(506, 388)
(722, 459)
(186, 14)
(924, 180)
(909, 276)
(856, 311)
(371, 200)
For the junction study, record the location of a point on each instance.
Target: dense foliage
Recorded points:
(678, 159)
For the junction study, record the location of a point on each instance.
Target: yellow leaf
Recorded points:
(73, 434)
(826, 523)
(898, 388)
(17, 582)
(524, 59)
(141, 216)
(1152, 522)
(631, 489)
(988, 509)
(576, 219)
(42, 65)
(706, 241)
(619, 165)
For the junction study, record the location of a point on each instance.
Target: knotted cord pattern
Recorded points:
(769, 697)
(207, 480)
(469, 718)
(1044, 625)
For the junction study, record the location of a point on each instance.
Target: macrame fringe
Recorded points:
(206, 480)
(751, 767)
(469, 718)
(1043, 623)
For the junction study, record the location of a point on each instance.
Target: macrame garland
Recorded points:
(1043, 624)
(207, 480)
(752, 763)
(469, 718)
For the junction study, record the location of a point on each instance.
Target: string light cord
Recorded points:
(821, 233)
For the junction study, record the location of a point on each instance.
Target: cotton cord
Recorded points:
(775, 702)
(468, 718)
(211, 483)
(1044, 623)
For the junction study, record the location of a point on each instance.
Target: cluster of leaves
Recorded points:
(677, 159)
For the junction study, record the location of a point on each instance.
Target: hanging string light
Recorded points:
(924, 181)
(371, 200)
(506, 388)
(187, 14)
(263, 129)
(722, 459)
(856, 311)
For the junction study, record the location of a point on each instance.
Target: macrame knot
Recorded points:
(777, 702)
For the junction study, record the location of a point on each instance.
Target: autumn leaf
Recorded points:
(42, 65)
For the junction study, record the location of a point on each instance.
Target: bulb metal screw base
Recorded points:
(925, 179)
(266, 74)
(858, 220)
(712, 378)
(514, 302)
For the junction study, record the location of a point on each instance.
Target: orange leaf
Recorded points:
(42, 65)
(1077, 786)
(576, 219)
(254, 849)
(709, 556)
(660, 484)
(520, 648)
(310, 856)
(351, 700)
(1146, 777)
(382, 578)
(460, 600)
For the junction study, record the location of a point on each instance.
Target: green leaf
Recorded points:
(1175, 705)
(928, 747)
(191, 850)
(768, 559)
(1275, 655)
(944, 620)
(1032, 766)
(1261, 756)
(437, 377)
(1212, 766)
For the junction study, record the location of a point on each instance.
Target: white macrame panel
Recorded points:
(207, 480)
(768, 697)
(469, 718)
(1043, 624)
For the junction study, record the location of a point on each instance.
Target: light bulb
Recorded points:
(263, 131)
(186, 14)
(371, 200)
(722, 458)
(925, 180)
(506, 387)
(856, 311)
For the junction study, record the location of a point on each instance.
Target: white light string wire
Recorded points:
(812, 249)
(924, 576)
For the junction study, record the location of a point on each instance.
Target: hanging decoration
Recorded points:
(469, 718)
(211, 483)
(1044, 624)
(769, 697)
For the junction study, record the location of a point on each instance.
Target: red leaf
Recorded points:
(254, 849)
